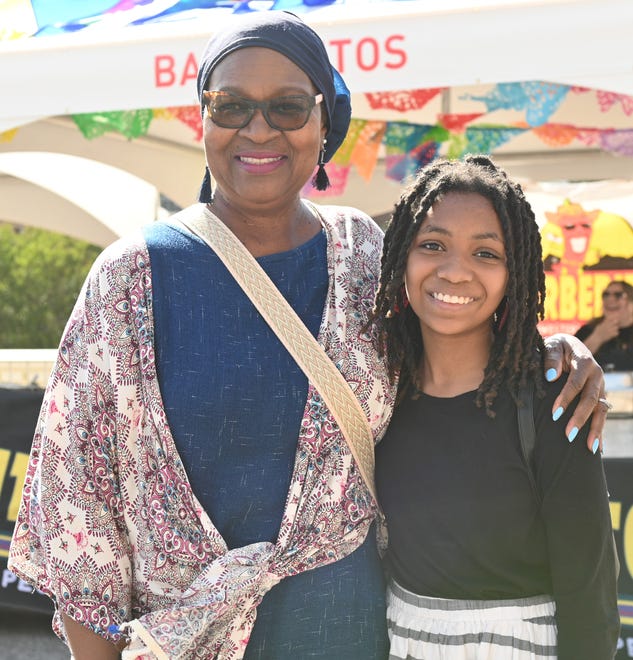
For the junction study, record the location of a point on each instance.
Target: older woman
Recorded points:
(188, 487)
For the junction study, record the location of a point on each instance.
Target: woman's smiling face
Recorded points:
(456, 273)
(258, 165)
(616, 304)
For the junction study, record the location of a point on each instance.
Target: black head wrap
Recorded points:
(290, 36)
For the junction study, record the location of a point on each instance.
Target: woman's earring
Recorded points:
(396, 307)
(321, 180)
(500, 317)
(405, 298)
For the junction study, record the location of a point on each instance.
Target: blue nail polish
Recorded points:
(550, 375)
(572, 434)
(557, 413)
(595, 445)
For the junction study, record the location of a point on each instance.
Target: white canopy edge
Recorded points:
(88, 185)
(376, 47)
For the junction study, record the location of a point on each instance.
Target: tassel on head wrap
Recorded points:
(287, 34)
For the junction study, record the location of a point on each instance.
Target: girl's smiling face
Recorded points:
(456, 273)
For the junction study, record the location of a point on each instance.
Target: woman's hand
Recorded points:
(568, 353)
(604, 331)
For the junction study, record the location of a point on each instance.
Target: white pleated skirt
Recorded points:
(423, 628)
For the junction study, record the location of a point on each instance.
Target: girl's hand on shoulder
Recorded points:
(568, 353)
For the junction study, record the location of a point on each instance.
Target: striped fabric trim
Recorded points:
(428, 628)
(450, 604)
(493, 639)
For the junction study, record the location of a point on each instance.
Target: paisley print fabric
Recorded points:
(109, 526)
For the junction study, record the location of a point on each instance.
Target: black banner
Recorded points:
(619, 473)
(19, 409)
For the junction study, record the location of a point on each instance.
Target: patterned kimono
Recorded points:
(109, 526)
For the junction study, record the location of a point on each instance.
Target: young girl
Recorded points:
(482, 565)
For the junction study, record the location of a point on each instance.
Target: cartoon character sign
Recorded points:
(576, 239)
(583, 250)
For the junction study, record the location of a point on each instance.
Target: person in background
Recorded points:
(610, 336)
(187, 486)
(490, 558)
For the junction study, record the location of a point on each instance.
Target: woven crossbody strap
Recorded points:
(292, 332)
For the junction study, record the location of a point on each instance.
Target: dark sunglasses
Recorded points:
(284, 113)
(616, 294)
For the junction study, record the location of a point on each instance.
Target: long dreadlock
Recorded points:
(517, 349)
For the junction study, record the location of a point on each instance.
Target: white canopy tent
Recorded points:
(68, 188)
(376, 45)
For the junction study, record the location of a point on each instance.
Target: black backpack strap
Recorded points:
(527, 432)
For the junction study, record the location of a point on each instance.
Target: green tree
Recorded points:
(41, 274)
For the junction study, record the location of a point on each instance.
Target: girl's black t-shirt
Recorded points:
(465, 523)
